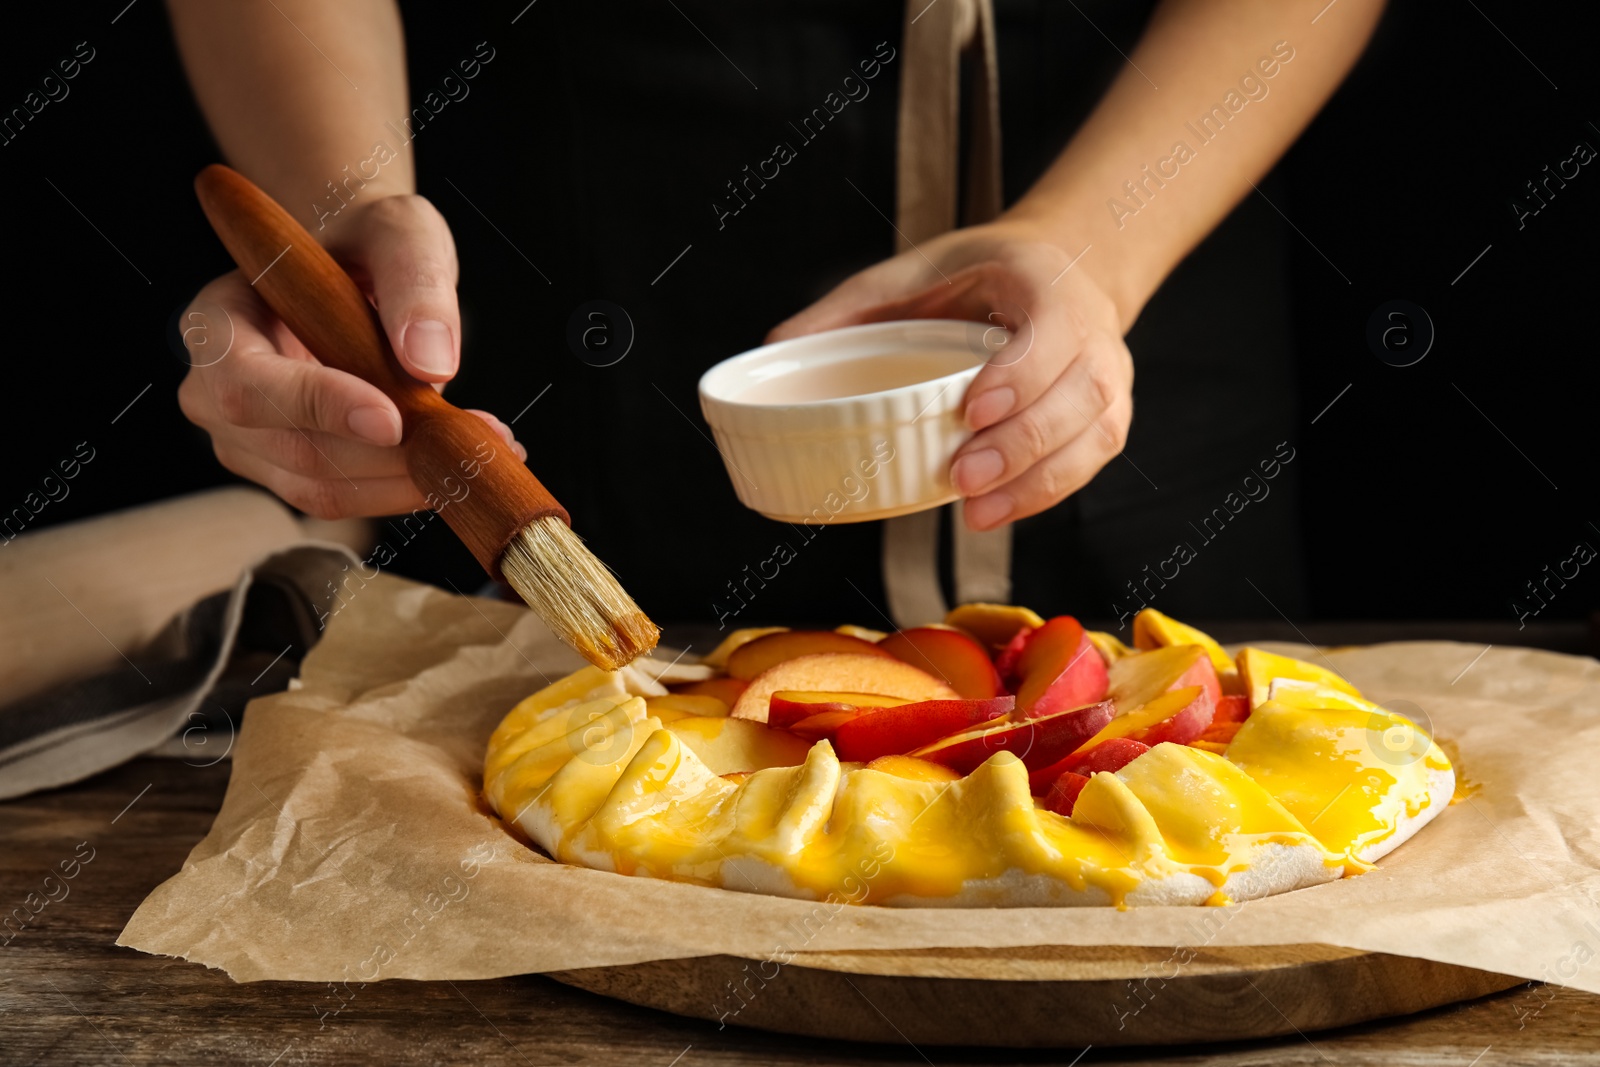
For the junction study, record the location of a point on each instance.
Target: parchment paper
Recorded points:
(352, 846)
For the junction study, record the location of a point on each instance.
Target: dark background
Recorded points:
(1429, 491)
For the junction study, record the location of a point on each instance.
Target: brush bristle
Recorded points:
(576, 595)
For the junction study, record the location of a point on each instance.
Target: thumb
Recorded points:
(852, 302)
(836, 310)
(406, 251)
(864, 299)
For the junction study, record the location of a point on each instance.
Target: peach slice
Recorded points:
(787, 707)
(764, 653)
(1056, 669)
(891, 731)
(947, 654)
(824, 724)
(1063, 793)
(726, 690)
(1180, 716)
(879, 674)
(1005, 660)
(1232, 708)
(1112, 754)
(718, 657)
(1036, 742)
(993, 624)
(1152, 629)
(1219, 733)
(1108, 755)
(1144, 676)
(1185, 721)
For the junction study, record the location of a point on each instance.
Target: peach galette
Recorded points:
(994, 759)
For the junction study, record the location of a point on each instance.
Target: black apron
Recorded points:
(608, 154)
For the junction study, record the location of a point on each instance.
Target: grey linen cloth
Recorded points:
(184, 694)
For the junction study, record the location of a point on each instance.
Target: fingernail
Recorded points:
(522, 453)
(973, 471)
(429, 347)
(986, 511)
(990, 407)
(381, 426)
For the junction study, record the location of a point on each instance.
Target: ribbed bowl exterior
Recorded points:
(855, 458)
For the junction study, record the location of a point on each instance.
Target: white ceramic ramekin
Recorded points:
(868, 455)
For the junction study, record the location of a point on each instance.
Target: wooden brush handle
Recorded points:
(453, 456)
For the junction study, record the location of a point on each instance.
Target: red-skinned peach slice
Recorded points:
(994, 625)
(1232, 708)
(1219, 733)
(787, 707)
(897, 730)
(1029, 650)
(824, 724)
(1109, 755)
(1063, 792)
(1152, 629)
(879, 674)
(947, 654)
(1138, 679)
(1180, 716)
(1005, 660)
(761, 655)
(1182, 726)
(1037, 742)
(1057, 669)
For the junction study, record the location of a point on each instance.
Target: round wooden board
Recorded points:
(1045, 996)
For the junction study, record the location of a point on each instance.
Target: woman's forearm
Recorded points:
(1214, 93)
(297, 91)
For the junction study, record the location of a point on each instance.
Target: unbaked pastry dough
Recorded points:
(1300, 796)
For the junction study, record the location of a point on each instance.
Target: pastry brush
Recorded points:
(501, 512)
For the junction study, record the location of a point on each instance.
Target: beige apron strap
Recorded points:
(984, 199)
(928, 153)
(983, 560)
(937, 34)
(911, 568)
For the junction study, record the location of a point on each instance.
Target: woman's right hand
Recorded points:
(323, 440)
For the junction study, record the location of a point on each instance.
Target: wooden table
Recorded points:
(68, 996)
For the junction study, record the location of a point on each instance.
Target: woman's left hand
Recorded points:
(1053, 405)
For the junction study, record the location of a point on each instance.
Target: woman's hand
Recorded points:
(323, 440)
(1053, 405)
